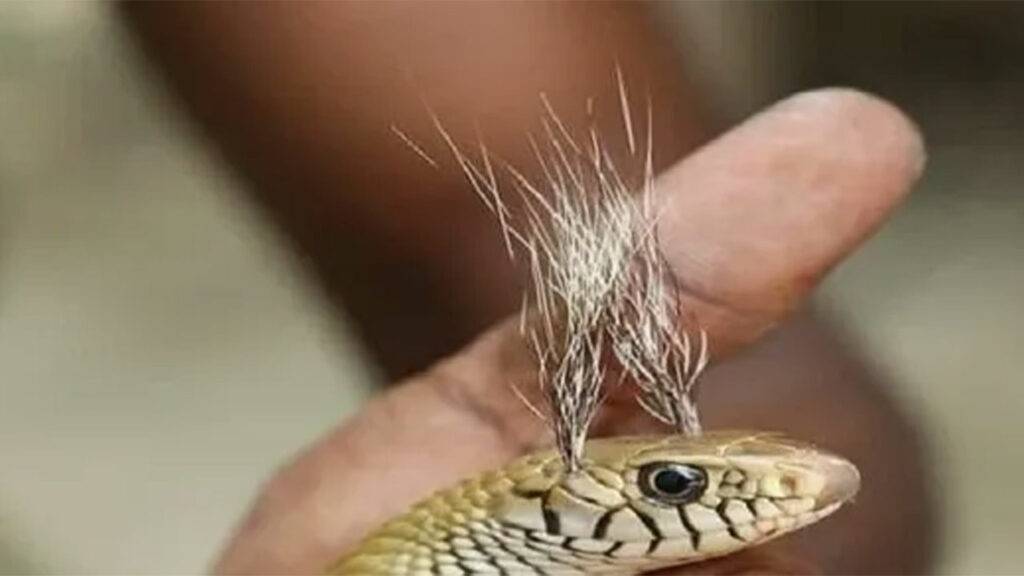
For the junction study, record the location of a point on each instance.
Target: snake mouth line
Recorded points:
(693, 546)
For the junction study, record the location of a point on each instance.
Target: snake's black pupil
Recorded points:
(671, 482)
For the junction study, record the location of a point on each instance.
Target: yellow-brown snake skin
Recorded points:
(635, 504)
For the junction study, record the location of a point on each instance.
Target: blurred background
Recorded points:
(162, 349)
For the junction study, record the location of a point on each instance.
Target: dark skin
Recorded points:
(300, 97)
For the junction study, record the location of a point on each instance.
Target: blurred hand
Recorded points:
(752, 223)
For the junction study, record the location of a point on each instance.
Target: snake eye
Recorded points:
(673, 483)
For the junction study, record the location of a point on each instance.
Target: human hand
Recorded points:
(752, 222)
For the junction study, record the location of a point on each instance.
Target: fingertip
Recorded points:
(754, 219)
(871, 123)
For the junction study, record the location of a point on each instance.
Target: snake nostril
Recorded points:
(789, 484)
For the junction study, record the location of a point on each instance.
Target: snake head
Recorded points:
(651, 502)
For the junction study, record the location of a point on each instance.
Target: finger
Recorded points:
(755, 219)
(750, 223)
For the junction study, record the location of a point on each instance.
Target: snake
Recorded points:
(633, 505)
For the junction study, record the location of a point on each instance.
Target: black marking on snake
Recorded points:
(611, 551)
(494, 562)
(652, 527)
(587, 555)
(530, 494)
(648, 522)
(540, 546)
(518, 557)
(735, 534)
(694, 533)
(580, 552)
(532, 536)
(751, 507)
(508, 527)
(601, 528)
(552, 521)
(742, 479)
(541, 495)
(720, 509)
